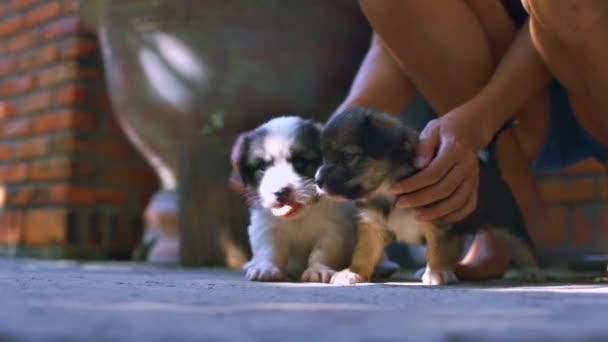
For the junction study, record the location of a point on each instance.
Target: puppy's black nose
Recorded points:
(283, 194)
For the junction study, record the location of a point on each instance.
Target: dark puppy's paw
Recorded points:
(346, 277)
(439, 277)
(317, 273)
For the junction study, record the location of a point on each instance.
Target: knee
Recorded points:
(570, 21)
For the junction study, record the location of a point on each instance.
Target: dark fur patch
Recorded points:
(248, 166)
(305, 152)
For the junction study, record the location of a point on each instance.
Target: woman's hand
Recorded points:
(446, 187)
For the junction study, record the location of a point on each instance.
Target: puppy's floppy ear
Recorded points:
(236, 156)
(381, 135)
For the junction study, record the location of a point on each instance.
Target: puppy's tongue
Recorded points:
(283, 209)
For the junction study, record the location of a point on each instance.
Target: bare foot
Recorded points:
(487, 258)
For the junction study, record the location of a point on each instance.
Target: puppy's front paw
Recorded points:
(347, 277)
(263, 271)
(439, 277)
(317, 273)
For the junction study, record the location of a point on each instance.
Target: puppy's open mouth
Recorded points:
(285, 209)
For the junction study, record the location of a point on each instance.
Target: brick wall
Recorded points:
(70, 184)
(577, 217)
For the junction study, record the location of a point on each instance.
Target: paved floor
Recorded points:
(69, 301)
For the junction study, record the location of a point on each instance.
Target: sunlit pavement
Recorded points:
(62, 301)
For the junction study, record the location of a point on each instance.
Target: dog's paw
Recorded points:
(439, 277)
(346, 277)
(317, 273)
(263, 271)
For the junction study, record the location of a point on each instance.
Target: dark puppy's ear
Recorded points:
(381, 135)
(236, 157)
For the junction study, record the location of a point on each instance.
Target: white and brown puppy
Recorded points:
(288, 219)
(364, 152)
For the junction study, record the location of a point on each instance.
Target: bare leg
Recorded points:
(571, 36)
(371, 240)
(457, 45)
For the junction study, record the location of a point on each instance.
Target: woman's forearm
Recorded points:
(379, 82)
(520, 75)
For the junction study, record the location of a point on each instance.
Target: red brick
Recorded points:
(42, 56)
(7, 110)
(71, 194)
(45, 226)
(50, 169)
(15, 128)
(13, 173)
(87, 196)
(43, 13)
(6, 152)
(20, 4)
(602, 227)
(36, 102)
(69, 143)
(114, 148)
(73, 94)
(57, 74)
(20, 196)
(8, 65)
(79, 47)
(567, 190)
(34, 147)
(130, 176)
(11, 227)
(553, 231)
(10, 25)
(111, 196)
(67, 119)
(582, 229)
(113, 126)
(21, 41)
(62, 27)
(16, 86)
(102, 101)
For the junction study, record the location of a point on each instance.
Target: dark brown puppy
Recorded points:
(365, 152)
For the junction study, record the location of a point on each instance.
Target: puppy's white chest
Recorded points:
(403, 224)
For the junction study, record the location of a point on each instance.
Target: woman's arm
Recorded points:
(379, 82)
(458, 135)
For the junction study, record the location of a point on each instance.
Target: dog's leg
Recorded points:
(270, 255)
(329, 253)
(371, 240)
(443, 252)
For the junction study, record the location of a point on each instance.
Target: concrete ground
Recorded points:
(41, 300)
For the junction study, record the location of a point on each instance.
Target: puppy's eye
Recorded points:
(299, 162)
(346, 157)
(260, 165)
